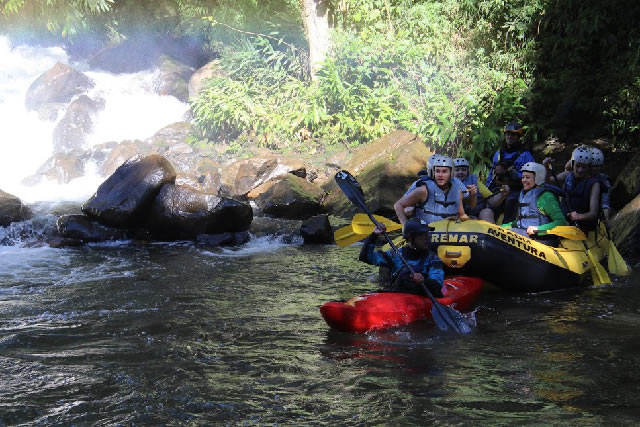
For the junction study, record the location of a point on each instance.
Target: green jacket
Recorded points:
(549, 205)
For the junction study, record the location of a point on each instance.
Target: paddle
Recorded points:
(598, 273)
(567, 232)
(362, 224)
(443, 316)
(616, 264)
(345, 236)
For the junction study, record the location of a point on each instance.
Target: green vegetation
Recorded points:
(452, 71)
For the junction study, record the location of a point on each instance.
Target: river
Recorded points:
(171, 333)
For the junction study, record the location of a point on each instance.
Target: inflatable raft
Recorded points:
(512, 261)
(382, 310)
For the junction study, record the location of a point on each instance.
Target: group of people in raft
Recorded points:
(525, 194)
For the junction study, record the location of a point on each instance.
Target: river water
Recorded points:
(171, 333)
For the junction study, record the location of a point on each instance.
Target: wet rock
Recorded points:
(12, 209)
(265, 226)
(62, 242)
(172, 78)
(627, 184)
(223, 239)
(181, 212)
(71, 131)
(125, 198)
(385, 169)
(317, 230)
(121, 153)
(61, 167)
(288, 196)
(58, 85)
(171, 142)
(80, 227)
(242, 176)
(625, 228)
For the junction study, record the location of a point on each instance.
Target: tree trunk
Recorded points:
(315, 15)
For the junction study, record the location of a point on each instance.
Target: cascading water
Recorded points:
(131, 111)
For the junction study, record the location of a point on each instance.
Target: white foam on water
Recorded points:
(131, 111)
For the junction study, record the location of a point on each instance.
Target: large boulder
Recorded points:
(172, 78)
(199, 77)
(289, 197)
(61, 167)
(12, 209)
(125, 198)
(384, 168)
(71, 131)
(171, 142)
(58, 85)
(625, 229)
(121, 153)
(84, 229)
(182, 212)
(627, 184)
(240, 177)
(317, 230)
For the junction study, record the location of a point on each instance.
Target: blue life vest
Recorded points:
(528, 212)
(605, 189)
(438, 204)
(579, 197)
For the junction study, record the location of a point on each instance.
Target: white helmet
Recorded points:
(581, 154)
(597, 157)
(430, 162)
(441, 161)
(460, 161)
(537, 169)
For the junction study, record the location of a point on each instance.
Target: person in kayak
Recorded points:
(583, 191)
(504, 176)
(538, 206)
(426, 265)
(434, 199)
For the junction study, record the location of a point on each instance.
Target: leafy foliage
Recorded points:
(452, 71)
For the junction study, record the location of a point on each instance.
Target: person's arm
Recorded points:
(594, 206)
(369, 255)
(549, 205)
(417, 196)
(436, 271)
(461, 213)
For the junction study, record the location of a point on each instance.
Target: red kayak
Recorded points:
(382, 310)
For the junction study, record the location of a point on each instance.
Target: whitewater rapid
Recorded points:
(132, 111)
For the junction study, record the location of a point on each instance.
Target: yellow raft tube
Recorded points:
(512, 261)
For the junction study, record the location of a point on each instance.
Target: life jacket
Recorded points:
(424, 178)
(439, 205)
(605, 190)
(472, 180)
(528, 212)
(579, 196)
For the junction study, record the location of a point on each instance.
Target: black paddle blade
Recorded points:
(351, 188)
(449, 317)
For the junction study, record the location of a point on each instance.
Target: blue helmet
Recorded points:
(415, 226)
(514, 127)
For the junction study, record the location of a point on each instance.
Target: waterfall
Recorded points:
(131, 111)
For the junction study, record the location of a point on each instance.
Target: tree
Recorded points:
(315, 16)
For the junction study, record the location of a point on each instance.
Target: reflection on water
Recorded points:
(165, 334)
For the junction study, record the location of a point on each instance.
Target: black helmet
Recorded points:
(514, 127)
(415, 226)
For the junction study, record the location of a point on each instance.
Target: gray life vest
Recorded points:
(528, 212)
(439, 205)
